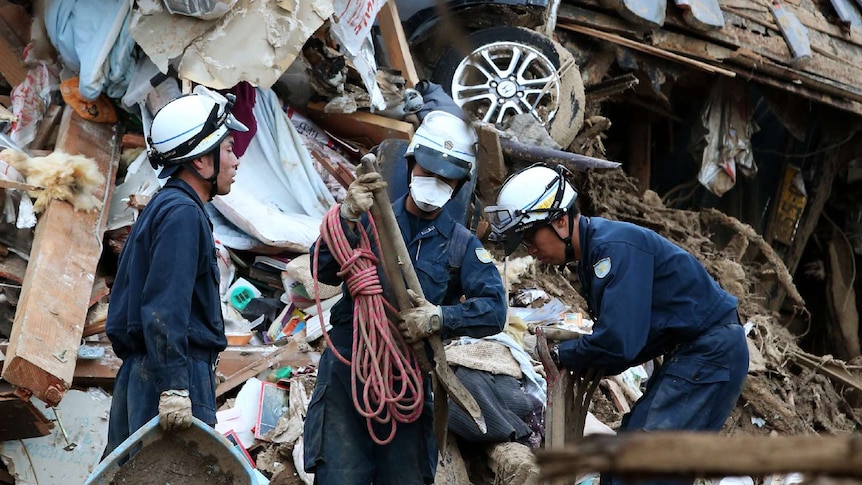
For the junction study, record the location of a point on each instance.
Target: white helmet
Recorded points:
(531, 197)
(188, 127)
(444, 145)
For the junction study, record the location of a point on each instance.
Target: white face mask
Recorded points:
(429, 193)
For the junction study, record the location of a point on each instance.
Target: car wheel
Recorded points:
(515, 70)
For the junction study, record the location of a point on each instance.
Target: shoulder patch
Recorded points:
(602, 268)
(483, 255)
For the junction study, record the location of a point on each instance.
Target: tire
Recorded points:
(498, 91)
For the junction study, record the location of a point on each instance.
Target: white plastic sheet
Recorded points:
(278, 197)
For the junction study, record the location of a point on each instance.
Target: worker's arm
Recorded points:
(483, 312)
(166, 299)
(621, 288)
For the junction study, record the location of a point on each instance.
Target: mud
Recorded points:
(174, 461)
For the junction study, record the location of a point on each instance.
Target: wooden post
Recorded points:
(640, 139)
(395, 43)
(52, 310)
(492, 166)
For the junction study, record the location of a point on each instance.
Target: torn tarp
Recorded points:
(725, 145)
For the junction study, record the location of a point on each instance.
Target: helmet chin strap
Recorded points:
(570, 250)
(213, 180)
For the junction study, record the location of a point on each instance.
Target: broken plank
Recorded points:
(238, 364)
(67, 244)
(360, 125)
(834, 370)
(13, 268)
(689, 454)
(395, 43)
(21, 419)
(648, 49)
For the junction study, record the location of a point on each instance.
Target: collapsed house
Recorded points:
(736, 130)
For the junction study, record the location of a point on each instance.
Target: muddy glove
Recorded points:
(360, 195)
(175, 410)
(420, 321)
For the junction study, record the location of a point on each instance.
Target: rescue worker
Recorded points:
(450, 263)
(646, 296)
(164, 319)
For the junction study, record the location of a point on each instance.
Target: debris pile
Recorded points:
(701, 105)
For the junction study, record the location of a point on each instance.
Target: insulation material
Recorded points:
(59, 176)
(725, 145)
(278, 197)
(215, 53)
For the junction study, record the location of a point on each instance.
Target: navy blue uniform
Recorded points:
(647, 298)
(338, 447)
(164, 318)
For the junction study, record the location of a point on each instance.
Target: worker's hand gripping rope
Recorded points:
(386, 381)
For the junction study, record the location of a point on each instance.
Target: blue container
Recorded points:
(206, 439)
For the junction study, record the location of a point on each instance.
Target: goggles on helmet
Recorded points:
(509, 223)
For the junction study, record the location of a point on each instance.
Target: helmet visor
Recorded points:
(503, 217)
(505, 224)
(441, 164)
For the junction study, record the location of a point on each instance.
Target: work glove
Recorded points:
(421, 321)
(175, 410)
(360, 195)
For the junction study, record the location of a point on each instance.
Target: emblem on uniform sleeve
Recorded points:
(602, 268)
(483, 255)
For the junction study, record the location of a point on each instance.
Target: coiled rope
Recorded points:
(385, 378)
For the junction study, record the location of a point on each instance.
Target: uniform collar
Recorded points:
(443, 222)
(583, 241)
(178, 183)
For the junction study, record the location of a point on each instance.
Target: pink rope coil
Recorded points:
(386, 381)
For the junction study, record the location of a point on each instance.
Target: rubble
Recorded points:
(728, 127)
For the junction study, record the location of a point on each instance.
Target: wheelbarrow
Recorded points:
(200, 441)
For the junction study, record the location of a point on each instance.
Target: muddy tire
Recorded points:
(515, 70)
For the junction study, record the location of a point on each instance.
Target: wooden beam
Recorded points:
(395, 43)
(682, 454)
(361, 125)
(59, 280)
(635, 45)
